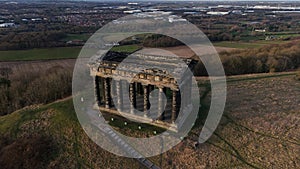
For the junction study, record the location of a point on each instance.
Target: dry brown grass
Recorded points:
(260, 129)
(181, 51)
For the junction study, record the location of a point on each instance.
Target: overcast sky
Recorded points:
(190, 0)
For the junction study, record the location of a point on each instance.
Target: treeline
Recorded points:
(29, 40)
(273, 58)
(151, 40)
(28, 88)
(156, 40)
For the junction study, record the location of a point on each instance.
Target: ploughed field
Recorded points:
(21, 68)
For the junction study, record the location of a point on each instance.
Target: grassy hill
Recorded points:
(49, 136)
(259, 129)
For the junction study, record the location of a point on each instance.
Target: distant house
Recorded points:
(7, 25)
(36, 19)
(133, 3)
(260, 30)
(175, 19)
(132, 11)
(237, 12)
(190, 13)
(76, 42)
(217, 13)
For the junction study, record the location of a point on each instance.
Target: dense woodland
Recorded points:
(273, 58)
(28, 88)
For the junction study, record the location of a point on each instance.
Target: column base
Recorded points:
(139, 119)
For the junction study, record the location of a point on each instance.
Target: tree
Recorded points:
(5, 84)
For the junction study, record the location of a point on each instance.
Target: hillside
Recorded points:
(50, 136)
(260, 129)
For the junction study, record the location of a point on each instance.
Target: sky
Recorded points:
(193, 0)
(168, 0)
(182, 0)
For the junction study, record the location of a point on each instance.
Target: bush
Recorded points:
(33, 152)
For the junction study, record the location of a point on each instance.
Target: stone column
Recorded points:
(119, 95)
(161, 103)
(174, 105)
(146, 99)
(132, 92)
(97, 90)
(141, 89)
(137, 88)
(103, 91)
(107, 93)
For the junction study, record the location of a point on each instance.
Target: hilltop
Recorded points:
(259, 129)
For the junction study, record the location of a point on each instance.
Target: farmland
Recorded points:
(54, 53)
(40, 54)
(83, 37)
(73, 52)
(20, 67)
(246, 45)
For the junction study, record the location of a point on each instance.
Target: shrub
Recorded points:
(31, 152)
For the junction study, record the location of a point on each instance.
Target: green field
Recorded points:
(282, 36)
(83, 37)
(126, 48)
(54, 53)
(40, 54)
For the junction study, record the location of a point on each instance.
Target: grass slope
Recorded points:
(56, 123)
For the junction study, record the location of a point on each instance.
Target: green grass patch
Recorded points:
(6, 122)
(10, 124)
(83, 37)
(40, 54)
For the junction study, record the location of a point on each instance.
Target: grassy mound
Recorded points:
(49, 136)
